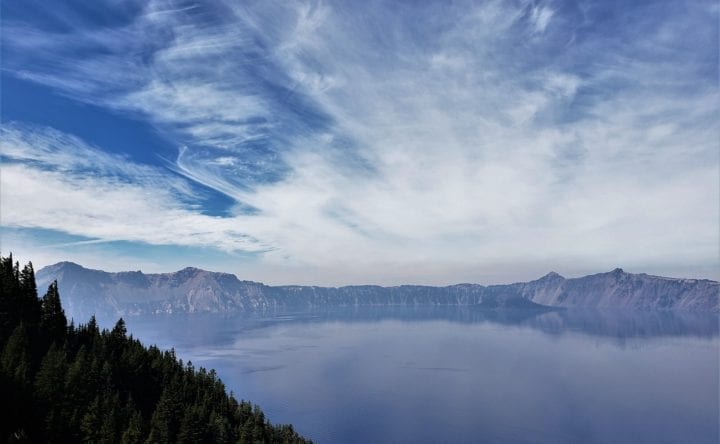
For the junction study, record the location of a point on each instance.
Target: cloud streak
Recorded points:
(54, 181)
(370, 140)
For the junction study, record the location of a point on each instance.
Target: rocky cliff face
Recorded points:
(192, 290)
(618, 289)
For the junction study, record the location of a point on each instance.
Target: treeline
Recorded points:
(66, 383)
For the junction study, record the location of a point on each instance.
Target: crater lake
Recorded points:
(462, 374)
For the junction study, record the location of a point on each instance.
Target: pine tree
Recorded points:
(15, 360)
(80, 386)
(16, 406)
(109, 427)
(92, 421)
(9, 297)
(59, 383)
(27, 281)
(52, 316)
(193, 427)
(134, 432)
(116, 340)
(49, 388)
(165, 420)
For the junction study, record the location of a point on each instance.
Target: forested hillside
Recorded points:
(67, 383)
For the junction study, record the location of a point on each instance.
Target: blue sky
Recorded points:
(363, 142)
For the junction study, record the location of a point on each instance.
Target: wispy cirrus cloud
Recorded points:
(51, 180)
(385, 138)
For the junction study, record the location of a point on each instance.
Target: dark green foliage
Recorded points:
(19, 299)
(52, 316)
(133, 434)
(63, 383)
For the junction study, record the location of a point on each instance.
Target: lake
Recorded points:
(458, 374)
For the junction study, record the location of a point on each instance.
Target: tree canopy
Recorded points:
(65, 383)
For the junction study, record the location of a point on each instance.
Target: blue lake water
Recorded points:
(452, 374)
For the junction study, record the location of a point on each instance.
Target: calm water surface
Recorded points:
(461, 375)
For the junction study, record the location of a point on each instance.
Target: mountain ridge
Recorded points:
(192, 290)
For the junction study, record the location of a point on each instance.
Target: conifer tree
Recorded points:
(15, 359)
(49, 387)
(134, 431)
(28, 287)
(15, 383)
(63, 383)
(92, 421)
(52, 316)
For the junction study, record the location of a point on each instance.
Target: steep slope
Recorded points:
(192, 290)
(189, 290)
(70, 383)
(618, 289)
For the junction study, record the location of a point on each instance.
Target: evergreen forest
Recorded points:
(64, 383)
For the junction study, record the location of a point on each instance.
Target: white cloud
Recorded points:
(540, 17)
(77, 189)
(446, 156)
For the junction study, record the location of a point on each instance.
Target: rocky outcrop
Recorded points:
(192, 290)
(618, 289)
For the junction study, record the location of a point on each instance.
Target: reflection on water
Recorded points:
(450, 374)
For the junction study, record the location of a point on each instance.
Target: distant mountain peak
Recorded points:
(190, 270)
(66, 264)
(71, 266)
(552, 275)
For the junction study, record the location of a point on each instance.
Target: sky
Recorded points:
(385, 142)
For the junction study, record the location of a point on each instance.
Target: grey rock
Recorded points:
(191, 290)
(618, 289)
